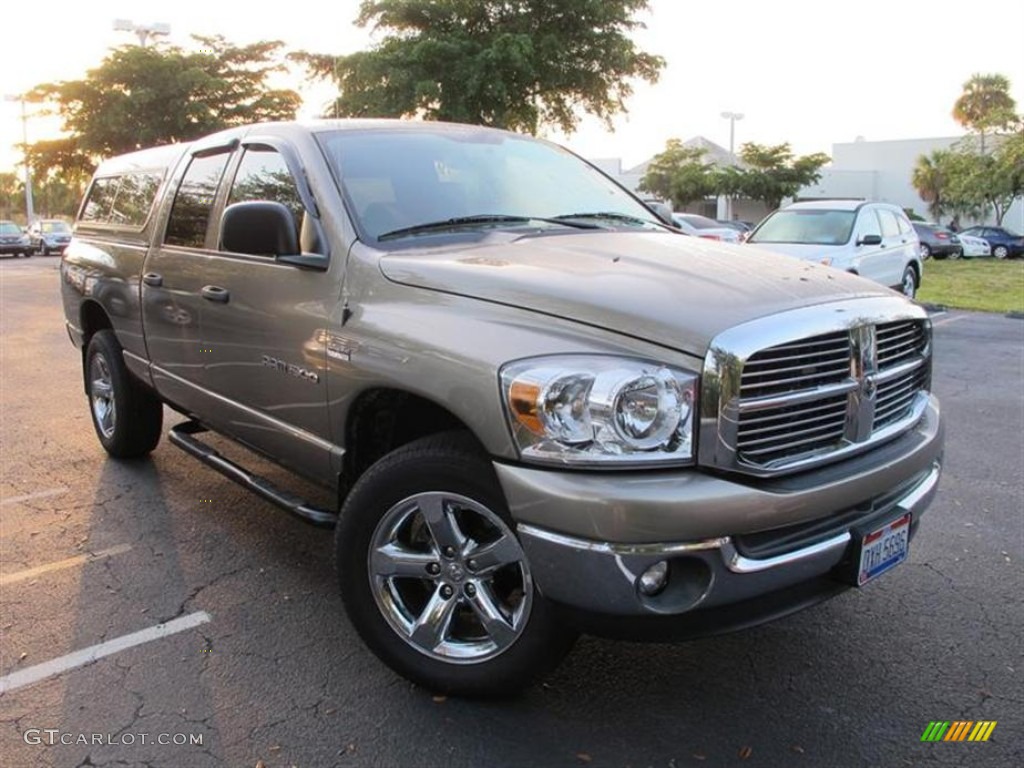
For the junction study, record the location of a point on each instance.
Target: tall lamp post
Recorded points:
(732, 117)
(143, 31)
(30, 213)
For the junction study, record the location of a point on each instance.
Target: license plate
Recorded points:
(884, 548)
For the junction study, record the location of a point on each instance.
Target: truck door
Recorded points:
(173, 278)
(264, 326)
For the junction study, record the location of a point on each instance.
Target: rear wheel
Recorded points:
(956, 253)
(1000, 252)
(127, 417)
(435, 580)
(44, 249)
(926, 252)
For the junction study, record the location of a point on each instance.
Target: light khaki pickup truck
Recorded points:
(542, 410)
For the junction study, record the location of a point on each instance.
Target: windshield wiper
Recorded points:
(469, 221)
(610, 215)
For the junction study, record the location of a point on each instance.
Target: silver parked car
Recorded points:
(49, 236)
(538, 409)
(873, 240)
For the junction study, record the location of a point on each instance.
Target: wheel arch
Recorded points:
(381, 419)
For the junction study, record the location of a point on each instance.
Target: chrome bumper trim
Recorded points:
(606, 548)
(737, 563)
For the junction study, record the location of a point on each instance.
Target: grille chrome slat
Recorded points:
(819, 432)
(821, 441)
(782, 419)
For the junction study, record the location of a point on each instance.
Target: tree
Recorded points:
(513, 64)
(12, 195)
(930, 182)
(679, 174)
(985, 105)
(140, 97)
(771, 173)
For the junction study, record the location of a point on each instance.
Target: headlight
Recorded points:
(588, 409)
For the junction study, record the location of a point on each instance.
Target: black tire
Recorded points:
(908, 283)
(955, 254)
(1000, 251)
(445, 464)
(130, 424)
(44, 250)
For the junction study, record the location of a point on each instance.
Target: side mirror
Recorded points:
(663, 212)
(870, 240)
(262, 228)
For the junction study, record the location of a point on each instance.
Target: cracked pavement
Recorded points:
(279, 678)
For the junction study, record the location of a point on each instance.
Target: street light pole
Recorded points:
(143, 31)
(732, 117)
(30, 213)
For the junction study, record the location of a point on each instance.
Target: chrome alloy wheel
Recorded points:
(450, 577)
(101, 395)
(909, 284)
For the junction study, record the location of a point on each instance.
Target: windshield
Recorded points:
(398, 180)
(813, 227)
(52, 227)
(6, 228)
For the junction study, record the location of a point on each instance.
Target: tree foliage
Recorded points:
(971, 179)
(928, 179)
(680, 174)
(515, 64)
(772, 173)
(140, 97)
(985, 105)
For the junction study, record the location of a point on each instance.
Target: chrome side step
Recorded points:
(182, 436)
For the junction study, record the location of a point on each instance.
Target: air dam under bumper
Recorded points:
(601, 575)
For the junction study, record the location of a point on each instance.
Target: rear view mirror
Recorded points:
(870, 240)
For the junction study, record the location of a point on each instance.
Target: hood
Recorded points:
(670, 289)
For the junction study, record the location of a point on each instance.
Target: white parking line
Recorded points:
(31, 496)
(62, 664)
(60, 565)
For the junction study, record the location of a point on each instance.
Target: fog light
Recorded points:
(653, 580)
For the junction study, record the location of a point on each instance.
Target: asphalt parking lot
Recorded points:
(208, 631)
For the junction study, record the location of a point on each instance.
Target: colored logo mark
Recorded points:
(958, 730)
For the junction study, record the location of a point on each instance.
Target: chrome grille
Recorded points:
(812, 397)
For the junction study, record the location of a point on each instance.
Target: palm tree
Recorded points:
(929, 180)
(985, 104)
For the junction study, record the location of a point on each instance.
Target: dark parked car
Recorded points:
(13, 240)
(937, 241)
(49, 236)
(1004, 242)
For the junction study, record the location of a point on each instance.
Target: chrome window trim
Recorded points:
(721, 405)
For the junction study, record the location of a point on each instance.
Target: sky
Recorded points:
(808, 72)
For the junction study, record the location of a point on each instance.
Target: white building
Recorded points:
(869, 170)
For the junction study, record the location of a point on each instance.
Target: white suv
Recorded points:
(874, 240)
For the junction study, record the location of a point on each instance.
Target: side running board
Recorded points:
(182, 436)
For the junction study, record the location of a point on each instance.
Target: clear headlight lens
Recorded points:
(588, 409)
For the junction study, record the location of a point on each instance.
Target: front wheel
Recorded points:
(435, 580)
(1000, 252)
(955, 254)
(908, 284)
(926, 252)
(127, 417)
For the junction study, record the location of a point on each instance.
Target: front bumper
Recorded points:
(15, 248)
(589, 537)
